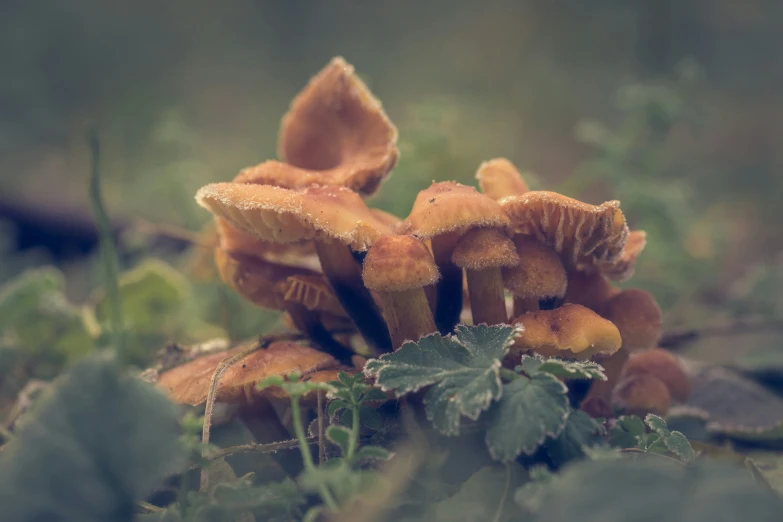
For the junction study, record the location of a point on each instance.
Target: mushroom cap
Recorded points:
(637, 316)
(287, 216)
(622, 269)
(483, 248)
(397, 264)
(255, 279)
(591, 290)
(665, 366)
(641, 394)
(189, 383)
(448, 206)
(581, 233)
(540, 273)
(597, 407)
(235, 241)
(335, 133)
(569, 331)
(499, 178)
(313, 292)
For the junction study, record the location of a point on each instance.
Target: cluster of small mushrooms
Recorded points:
(296, 235)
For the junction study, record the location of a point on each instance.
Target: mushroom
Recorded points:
(335, 218)
(482, 253)
(498, 178)
(442, 213)
(398, 268)
(236, 241)
(571, 331)
(335, 133)
(665, 366)
(641, 394)
(591, 290)
(622, 268)
(584, 235)
(539, 281)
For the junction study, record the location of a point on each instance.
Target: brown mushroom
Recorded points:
(498, 178)
(622, 268)
(571, 331)
(584, 235)
(539, 281)
(442, 213)
(335, 133)
(665, 366)
(591, 290)
(482, 253)
(398, 268)
(335, 218)
(236, 241)
(641, 394)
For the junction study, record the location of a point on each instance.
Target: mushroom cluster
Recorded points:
(296, 235)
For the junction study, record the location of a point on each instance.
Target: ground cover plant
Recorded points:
(476, 360)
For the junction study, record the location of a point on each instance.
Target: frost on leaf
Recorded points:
(530, 410)
(463, 370)
(563, 368)
(580, 433)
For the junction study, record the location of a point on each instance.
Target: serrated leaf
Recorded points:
(463, 370)
(529, 411)
(627, 431)
(675, 442)
(373, 453)
(339, 435)
(581, 432)
(565, 369)
(99, 441)
(335, 406)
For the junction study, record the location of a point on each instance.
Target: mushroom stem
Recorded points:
(523, 305)
(308, 322)
(487, 302)
(345, 277)
(613, 365)
(408, 315)
(448, 303)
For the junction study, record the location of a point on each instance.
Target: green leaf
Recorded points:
(528, 497)
(463, 370)
(335, 406)
(529, 411)
(22, 295)
(373, 453)
(627, 432)
(95, 444)
(341, 436)
(370, 418)
(581, 432)
(486, 495)
(562, 368)
(674, 441)
(238, 501)
(339, 478)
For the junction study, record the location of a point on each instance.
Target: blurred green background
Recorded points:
(672, 107)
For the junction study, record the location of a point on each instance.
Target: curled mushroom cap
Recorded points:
(641, 394)
(637, 316)
(665, 366)
(582, 234)
(569, 331)
(335, 133)
(624, 266)
(448, 206)
(287, 216)
(498, 178)
(539, 278)
(189, 383)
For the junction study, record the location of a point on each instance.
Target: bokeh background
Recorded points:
(673, 107)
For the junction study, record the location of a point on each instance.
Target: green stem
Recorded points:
(508, 375)
(304, 449)
(354, 433)
(108, 250)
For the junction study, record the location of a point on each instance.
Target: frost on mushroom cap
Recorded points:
(581, 233)
(569, 331)
(665, 366)
(189, 383)
(622, 269)
(499, 178)
(313, 292)
(288, 216)
(335, 133)
(540, 274)
(449, 206)
(255, 279)
(399, 263)
(637, 316)
(484, 248)
(235, 241)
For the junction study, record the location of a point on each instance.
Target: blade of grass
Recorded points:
(106, 241)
